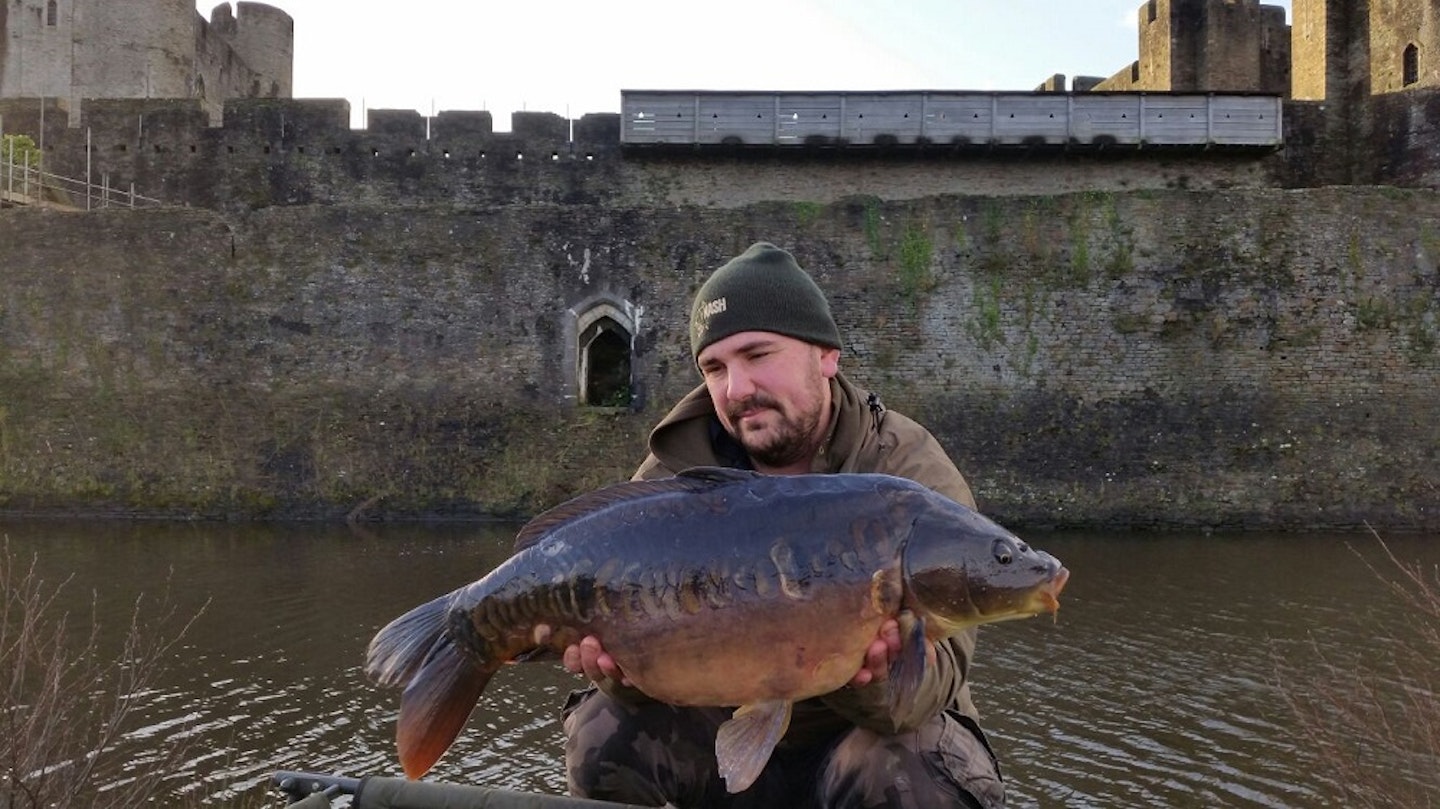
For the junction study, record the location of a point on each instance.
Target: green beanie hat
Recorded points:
(762, 289)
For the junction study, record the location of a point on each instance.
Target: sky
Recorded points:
(572, 58)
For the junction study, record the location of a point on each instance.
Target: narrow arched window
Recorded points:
(1411, 65)
(52, 13)
(604, 350)
(605, 365)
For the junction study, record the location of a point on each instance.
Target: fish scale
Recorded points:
(716, 588)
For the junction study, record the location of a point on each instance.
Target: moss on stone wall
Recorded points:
(1148, 358)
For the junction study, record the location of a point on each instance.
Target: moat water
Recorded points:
(1161, 682)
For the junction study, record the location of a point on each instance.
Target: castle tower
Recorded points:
(1209, 46)
(35, 47)
(87, 49)
(136, 49)
(1403, 42)
(1213, 45)
(1330, 45)
(264, 38)
(78, 49)
(246, 56)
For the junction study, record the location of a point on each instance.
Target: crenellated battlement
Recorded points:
(285, 151)
(267, 152)
(211, 122)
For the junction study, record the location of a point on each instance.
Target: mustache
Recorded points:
(737, 409)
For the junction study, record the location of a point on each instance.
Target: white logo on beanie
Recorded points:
(707, 311)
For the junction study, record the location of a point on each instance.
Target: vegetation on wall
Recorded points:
(808, 213)
(916, 256)
(20, 151)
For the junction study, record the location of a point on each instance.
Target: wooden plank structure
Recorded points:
(958, 119)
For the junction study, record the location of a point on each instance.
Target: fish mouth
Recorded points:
(1042, 598)
(1049, 593)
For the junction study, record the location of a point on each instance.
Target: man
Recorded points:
(774, 400)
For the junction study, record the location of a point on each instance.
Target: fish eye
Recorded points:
(1002, 552)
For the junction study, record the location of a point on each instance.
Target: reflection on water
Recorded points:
(1155, 686)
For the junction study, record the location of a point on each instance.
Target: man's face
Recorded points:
(772, 393)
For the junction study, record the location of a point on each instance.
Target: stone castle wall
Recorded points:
(1228, 359)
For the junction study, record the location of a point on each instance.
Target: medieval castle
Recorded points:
(148, 94)
(1112, 313)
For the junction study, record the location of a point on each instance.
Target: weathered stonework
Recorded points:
(1220, 359)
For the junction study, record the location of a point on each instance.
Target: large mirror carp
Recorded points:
(717, 587)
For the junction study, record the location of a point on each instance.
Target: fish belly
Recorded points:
(752, 650)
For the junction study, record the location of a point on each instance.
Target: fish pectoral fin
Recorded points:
(907, 671)
(539, 653)
(435, 706)
(745, 741)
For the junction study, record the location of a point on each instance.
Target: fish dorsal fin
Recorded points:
(745, 741)
(719, 474)
(696, 479)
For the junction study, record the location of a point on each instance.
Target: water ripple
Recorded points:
(1155, 686)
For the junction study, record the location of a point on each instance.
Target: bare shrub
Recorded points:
(1375, 724)
(66, 703)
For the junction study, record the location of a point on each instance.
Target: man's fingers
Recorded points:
(878, 660)
(588, 657)
(875, 666)
(890, 634)
(590, 652)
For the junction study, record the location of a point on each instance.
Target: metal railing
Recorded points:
(23, 184)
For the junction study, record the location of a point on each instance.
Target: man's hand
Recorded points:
(590, 659)
(882, 652)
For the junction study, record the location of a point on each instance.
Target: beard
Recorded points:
(791, 438)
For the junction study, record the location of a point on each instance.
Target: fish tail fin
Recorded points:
(907, 671)
(403, 647)
(435, 706)
(442, 683)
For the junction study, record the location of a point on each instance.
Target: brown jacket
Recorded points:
(864, 438)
